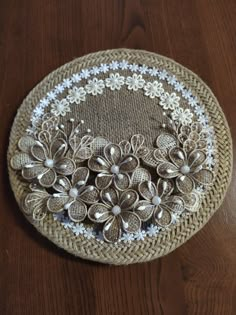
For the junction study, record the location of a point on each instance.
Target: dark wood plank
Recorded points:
(35, 276)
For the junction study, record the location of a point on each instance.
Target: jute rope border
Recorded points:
(166, 242)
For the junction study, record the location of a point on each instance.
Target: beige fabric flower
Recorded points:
(114, 167)
(73, 196)
(115, 212)
(41, 161)
(158, 203)
(186, 168)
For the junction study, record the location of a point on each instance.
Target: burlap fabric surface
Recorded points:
(139, 114)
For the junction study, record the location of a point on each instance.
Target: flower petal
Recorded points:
(77, 211)
(162, 216)
(83, 154)
(89, 195)
(125, 147)
(128, 199)
(189, 145)
(98, 145)
(138, 148)
(62, 184)
(113, 153)
(204, 177)
(140, 175)
(48, 178)
(112, 230)
(33, 172)
(174, 204)
(167, 170)
(80, 176)
(128, 164)
(178, 156)
(56, 203)
(58, 148)
(144, 210)
(98, 164)
(39, 214)
(160, 155)
(35, 200)
(122, 181)
(25, 143)
(65, 166)
(196, 159)
(99, 213)
(103, 181)
(110, 196)
(166, 141)
(192, 202)
(39, 152)
(185, 184)
(164, 187)
(147, 190)
(131, 223)
(19, 160)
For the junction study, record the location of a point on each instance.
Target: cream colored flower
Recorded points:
(135, 82)
(95, 86)
(115, 81)
(76, 95)
(183, 116)
(153, 89)
(60, 107)
(169, 101)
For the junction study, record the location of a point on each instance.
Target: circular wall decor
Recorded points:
(120, 156)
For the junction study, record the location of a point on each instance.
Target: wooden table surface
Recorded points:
(37, 278)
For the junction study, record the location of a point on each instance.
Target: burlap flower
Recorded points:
(39, 160)
(158, 203)
(113, 167)
(188, 169)
(115, 213)
(73, 196)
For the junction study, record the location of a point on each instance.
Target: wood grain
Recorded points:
(36, 277)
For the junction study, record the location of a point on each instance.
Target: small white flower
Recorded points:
(44, 102)
(76, 78)
(203, 120)
(133, 67)
(175, 218)
(89, 233)
(210, 149)
(104, 67)
(163, 74)
(51, 95)
(140, 235)
(115, 81)
(76, 95)
(184, 116)
(100, 237)
(135, 82)
(85, 74)
(153, 89)
(199, 110)
(78, 229)
(38, 111)
(171, 80)
(169, 101)
(186, 94)
(192, 101)
(67, 83)
(153, 72)
(152, 230)
(179, 86)
(200, 189)
(124, 65)
(127, 237)
(95, 86)
(210, 161)
(143, 69)
(95, 70)
(59, 88)
(60, 108)
(114, 65)
(67, 223)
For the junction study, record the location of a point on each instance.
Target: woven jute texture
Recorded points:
(167, 241)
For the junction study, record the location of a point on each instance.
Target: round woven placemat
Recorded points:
(166, 241)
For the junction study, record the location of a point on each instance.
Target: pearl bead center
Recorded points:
(116, 210)
(115, 169)
(156, 200)
(185, 169)
(73, 193)
(49, 163)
